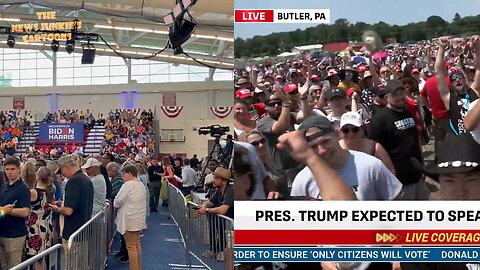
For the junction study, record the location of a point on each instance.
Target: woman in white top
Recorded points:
(131, 216)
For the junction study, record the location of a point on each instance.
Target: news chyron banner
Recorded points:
(345, 231)
(64, 133)
(282, 16)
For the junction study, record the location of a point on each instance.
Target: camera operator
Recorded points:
(208, 184)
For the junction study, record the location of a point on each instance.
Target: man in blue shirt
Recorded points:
(14, 210)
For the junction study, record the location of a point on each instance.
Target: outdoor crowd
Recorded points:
(12, 126)
(351, 126)
(129, 132)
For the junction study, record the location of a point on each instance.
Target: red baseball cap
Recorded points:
(351, 90)
(314, 77)
(446, 64)
(243, 93)
(415, 70)
(362, 68)
(331, 73)
(290, 87)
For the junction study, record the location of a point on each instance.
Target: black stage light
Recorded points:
(11, 41)
(55, 45)
(70, 46)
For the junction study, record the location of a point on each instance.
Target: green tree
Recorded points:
(457, 18)
(436, 25)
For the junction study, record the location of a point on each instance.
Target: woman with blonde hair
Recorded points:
(40, 221)
(143, 176)
(57, 181)
(28, 174)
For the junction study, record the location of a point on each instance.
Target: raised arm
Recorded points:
(441, 81)
(472, 119)
(476, 81)
(330, 185)
(305, 108)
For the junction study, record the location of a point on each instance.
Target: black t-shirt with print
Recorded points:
(397, 133)
(459, 107)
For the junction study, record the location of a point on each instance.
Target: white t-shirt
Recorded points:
(476, 132)
(368, 176)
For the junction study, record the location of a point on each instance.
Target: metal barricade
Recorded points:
(52, 259)
(177, 205)
(210, 238)
(198, 198)
(111, 225)
(86, 246)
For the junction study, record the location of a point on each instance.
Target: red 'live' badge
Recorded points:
(257, 15)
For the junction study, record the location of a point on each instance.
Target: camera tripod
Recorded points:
(224, 154)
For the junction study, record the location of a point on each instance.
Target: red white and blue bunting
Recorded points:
(172, 111)
(221, 112)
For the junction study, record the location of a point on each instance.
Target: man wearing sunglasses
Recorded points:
(365, 174)
(283, 112)
(457, 99)
(394, 128)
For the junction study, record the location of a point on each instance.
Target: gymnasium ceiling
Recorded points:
(134, 28)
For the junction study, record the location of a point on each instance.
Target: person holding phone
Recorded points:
(14, 208)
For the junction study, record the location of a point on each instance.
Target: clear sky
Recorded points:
(399, 12)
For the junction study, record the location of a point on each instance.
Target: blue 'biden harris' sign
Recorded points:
(69, 132)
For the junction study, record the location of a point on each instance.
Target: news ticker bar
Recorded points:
(357, 237)
(357, 215)
(356, 254)
(282, 16)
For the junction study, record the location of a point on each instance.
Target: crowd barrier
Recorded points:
(86, 249)
(111, 225)
(86, 246)
(209, 238)
(52, 259)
